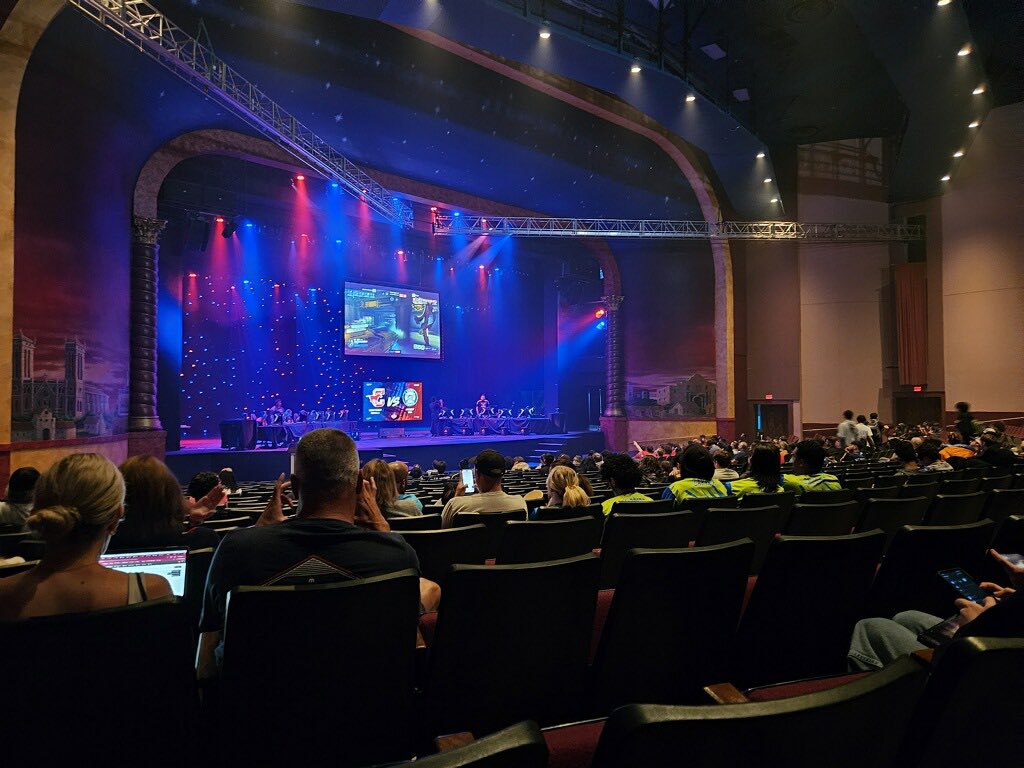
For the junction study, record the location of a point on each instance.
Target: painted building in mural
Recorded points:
(682, 398)
(55, 408)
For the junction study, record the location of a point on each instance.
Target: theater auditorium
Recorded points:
(493, 383)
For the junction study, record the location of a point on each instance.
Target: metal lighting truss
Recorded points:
(526, 226)
(145, 28)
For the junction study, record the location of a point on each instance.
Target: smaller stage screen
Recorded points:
(392, 322)
(392, 400)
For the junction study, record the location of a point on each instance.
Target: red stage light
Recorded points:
(192, 274)
(219, 219)
(599, 314)
(300, 177)
(433, 209)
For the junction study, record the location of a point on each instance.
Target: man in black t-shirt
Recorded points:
(337, 534)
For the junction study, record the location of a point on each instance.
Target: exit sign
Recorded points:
(769, 396)
(918, 389)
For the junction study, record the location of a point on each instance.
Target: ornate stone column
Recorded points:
(615, 405)
(142, 415)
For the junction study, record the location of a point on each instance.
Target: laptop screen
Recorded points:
(169, 563)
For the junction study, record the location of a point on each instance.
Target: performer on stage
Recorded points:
(436, 408)
(482, 405)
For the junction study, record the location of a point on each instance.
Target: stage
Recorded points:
(198, 455)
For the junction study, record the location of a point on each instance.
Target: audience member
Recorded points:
(929, 460)
(864, 436)
(878, 642)
(723, 466)
(416, 472)
(564, 488)
(337, 534)
(623, 475)
(696, 473)
(847, 429)
(519, 465)
(79, 502)
(156, 513)
(439, 467)
(966, 424)
(18, 504)
(383, 479)
(808, 463)
(490, 497)
(406, 504)
(764, 475)
(650, 468)
(228, 480)
(906, 456)
(546, 460)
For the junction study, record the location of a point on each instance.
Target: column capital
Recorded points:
(613, 302)
(147, 231)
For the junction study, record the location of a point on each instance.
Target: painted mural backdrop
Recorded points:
(669, 329)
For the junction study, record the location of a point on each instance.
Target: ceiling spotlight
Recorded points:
(974, 124)
(760, 155)
(768, 180)
(690, 99)
(545, 34)
(228, 229)
(635, 68)
(958, 153)
(946, 177)
(300, 177)
(965, 51)
(775, 200)
(941, 3)
(979, 90)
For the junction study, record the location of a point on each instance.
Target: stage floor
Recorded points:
(205, 454)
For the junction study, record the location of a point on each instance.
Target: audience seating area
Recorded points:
(557, 622)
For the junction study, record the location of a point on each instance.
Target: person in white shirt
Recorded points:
(723, 467)
(847, 429)
(864, 435)
(488, 470)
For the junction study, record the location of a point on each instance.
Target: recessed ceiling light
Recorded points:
(979, 90)
(974, 124)
(946, 177)
(760, 155)
(544, 34)
(775, 199)
(635, 68)
(941, 3)
(768, 180)
(958, 153)
(690, 99)
(965, 51)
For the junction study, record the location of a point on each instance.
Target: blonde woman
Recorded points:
(78, 505)
(564, 488)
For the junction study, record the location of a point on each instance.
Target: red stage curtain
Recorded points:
(912, 322)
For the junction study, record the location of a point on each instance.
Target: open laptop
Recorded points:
(169, 563)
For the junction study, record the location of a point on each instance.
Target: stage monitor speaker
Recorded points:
(392, 432)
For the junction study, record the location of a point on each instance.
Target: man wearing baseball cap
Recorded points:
(488, 469)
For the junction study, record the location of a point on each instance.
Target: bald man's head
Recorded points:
(326, 468)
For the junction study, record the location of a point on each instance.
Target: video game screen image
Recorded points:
(392, 400)
(392, 322)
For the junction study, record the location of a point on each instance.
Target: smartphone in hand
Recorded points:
(964, 586)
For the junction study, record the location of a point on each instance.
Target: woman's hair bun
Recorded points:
(53, 523)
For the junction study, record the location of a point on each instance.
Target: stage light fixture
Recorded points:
(192, 274)
(775, 200)
(946, 177)
(456, 214)
(334, 185)
(768, 180)
(942, 3)
(958, 153)
(602, 325)
(965, 51)
(599, 314)
(545, 34)
(760, 155)
(690, 99)
(433, 209)
(635, 68)
(248, 225)
(219, 219)
(974, 124)
(300, 177)
(979, 90)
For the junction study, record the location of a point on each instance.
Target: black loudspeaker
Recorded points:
(198, 235)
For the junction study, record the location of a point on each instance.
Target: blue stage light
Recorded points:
(334, 185)
(456, 214)
(248, 225)
(602, 325)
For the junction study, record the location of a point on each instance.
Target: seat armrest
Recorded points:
(725, 693)
(925, 656)
(453, 741)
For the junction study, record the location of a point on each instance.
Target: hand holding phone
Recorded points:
(468, 481)
(963, 584)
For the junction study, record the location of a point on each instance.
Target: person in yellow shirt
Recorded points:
(696, 472)
(807, 477)
(624, 475)
(765, 475)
